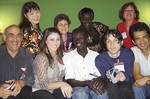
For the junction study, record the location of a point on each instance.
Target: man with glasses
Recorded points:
(16, 73)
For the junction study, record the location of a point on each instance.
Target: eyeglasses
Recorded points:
(129, 11)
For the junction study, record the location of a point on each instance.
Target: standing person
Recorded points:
(95, 30)
(16, 73)
(48, 66)
(116, 63)
(140, 33)
(30, 25)
(62, 23)
(129, 15)
(80, 68)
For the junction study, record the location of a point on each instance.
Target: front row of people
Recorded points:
(117, 72)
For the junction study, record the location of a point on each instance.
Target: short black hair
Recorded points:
(86, 11)
(79, 30)
(115, 34)
(140, 26)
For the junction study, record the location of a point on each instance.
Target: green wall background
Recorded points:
(106, 11)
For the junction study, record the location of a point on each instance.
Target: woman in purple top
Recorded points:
(62, 22)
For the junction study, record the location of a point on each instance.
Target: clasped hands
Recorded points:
(98, 85)
(10, 88)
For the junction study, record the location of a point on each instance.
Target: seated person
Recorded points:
(48, 67)
(116, 63)
(15, 66)
(95, 30)
(140, 34)
(80, 68)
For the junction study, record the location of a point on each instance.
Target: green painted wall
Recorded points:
(106, 11)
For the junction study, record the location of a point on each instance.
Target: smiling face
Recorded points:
(86, 20)
(80, 41)
(33, 16)
(129, 13)
(53, 42)
(113, 45)
(63, 26)
(142, 40)
(13, 39)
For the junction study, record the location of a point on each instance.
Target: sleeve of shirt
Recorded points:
(129, 67)
(40, 70)
(29, 78)
(100, 64)
(69, 73)
(100, 27)
(135, 54)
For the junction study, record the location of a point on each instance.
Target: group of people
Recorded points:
(92, 62)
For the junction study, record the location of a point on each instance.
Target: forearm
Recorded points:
(138, 76)
(76, 83)
(147, 78)
(148, 81)
(22, 83)
(55, 85)
(143, 81)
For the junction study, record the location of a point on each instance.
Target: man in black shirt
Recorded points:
(94, 29)
(16, 74)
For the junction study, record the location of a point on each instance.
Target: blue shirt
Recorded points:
(17, 68)
(104, 62)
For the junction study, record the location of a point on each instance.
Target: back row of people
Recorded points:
(32, 32)
(128, 13)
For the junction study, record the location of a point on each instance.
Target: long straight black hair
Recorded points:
(27, 7)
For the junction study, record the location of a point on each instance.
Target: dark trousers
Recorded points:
(25, 93)
(44, 94)
(121, 90)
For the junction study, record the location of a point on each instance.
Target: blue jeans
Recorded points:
(86, 93)
(141, 92)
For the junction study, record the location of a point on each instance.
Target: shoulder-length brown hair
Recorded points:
(44, 48)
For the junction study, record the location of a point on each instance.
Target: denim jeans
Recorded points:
(141, 92)
(86, 93)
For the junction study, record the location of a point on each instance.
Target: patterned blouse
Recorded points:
(45, 74)
(31, 39)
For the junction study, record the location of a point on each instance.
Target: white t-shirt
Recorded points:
(144, 63)
(79, 68)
